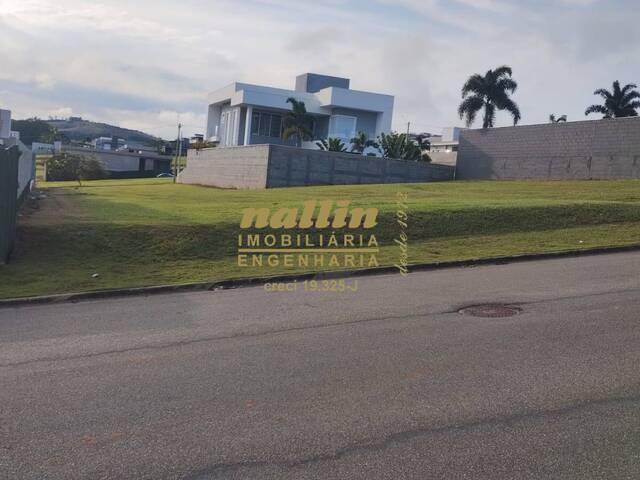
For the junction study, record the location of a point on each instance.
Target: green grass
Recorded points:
(150, 231)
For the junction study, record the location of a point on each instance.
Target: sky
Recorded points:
(144, 64)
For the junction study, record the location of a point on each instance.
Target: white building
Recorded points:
(244, 114)
(448, 141)
(5, 123)
(109, 143)
(38, 147)
(444, 148)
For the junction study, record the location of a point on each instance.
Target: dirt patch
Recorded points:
(51, 206)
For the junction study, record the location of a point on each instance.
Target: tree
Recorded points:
(361, 142)
(332, 145)
(553, 119)
(491, 93)
(67, 166)
(298, 123)
(621, 102)
(422, 139)
(397, 145)
(34, 130)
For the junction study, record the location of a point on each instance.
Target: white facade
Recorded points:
(448, 141)
(107, 143)
(245, 114)
(38, 147)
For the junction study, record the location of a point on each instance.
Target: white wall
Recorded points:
(26, 165)
(26, 169)
(38, 147)
(322, 102)
(213, 122)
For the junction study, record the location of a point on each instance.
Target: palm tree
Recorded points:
(361, 142)
(297, 123)
(622, 102)
(490, 92)
(397, 145)
(332, 145)
(553, 119)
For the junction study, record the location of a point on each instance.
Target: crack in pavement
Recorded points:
(220, 337)
(408, 435)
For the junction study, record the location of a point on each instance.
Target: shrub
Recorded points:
(67, 166)
(332, 145)
(398, 146)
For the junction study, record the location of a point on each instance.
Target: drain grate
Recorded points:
(491, 310)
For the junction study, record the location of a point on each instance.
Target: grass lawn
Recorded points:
(150, 231)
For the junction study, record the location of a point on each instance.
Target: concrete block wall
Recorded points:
(297, 167)
(230, 167)
(270, 166)
(596, 149)
(444, 158)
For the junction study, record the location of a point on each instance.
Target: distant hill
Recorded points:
(78, 129)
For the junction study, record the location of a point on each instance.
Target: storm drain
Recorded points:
(491, 310)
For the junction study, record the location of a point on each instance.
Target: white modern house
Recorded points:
(448, 141)
(444, 148)
(244, 114)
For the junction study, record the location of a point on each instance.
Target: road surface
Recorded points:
(390, 382)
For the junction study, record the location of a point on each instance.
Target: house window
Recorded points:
(255, 123)
(342, 127)
(276, 126)
(266, 124)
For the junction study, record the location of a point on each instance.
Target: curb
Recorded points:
(254, 281)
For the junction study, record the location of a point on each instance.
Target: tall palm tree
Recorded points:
(297, 123)
(490, 92)
(622, 102)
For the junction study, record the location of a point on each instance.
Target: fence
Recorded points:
(270, 166)
(9, 159)
(593, 149)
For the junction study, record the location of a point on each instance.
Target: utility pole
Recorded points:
(178, 153)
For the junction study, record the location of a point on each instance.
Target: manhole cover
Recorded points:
(492, 310)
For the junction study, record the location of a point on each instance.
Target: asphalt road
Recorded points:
(386, 383)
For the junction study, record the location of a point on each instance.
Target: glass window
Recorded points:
(266, 124)
(342, 127)
(276, 126)
(255, 123)
(265, 121)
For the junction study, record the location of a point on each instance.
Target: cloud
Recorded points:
(140, 64)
